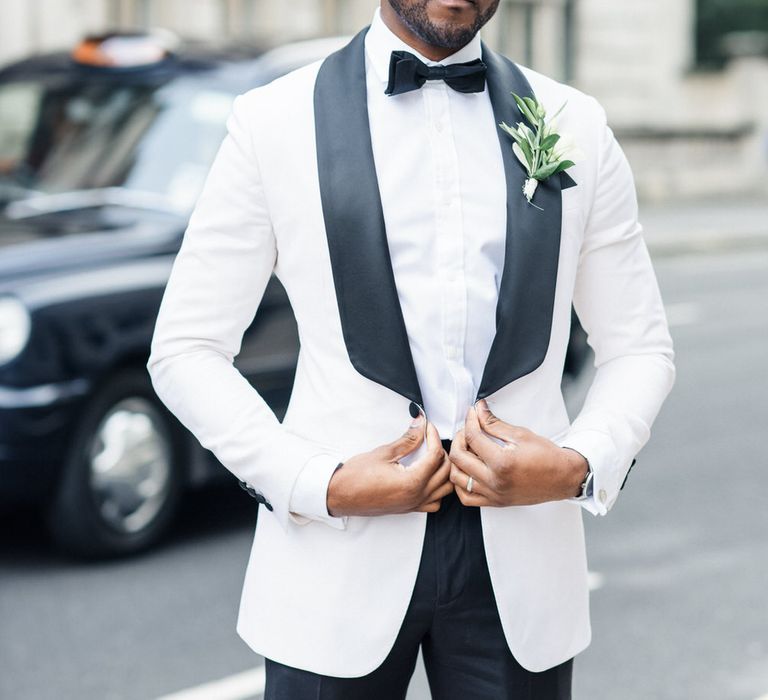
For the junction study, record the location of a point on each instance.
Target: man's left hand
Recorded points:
(524, 470)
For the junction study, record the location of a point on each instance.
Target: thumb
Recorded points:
(410, 440)
(434, 445)
(494, 426)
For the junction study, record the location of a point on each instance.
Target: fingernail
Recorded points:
(418, 420)
(413, 409)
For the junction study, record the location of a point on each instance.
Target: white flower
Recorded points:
(525, 131)
(567, 149)
(529, 188)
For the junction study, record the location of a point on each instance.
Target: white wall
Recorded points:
(705, 133)
(633, 54)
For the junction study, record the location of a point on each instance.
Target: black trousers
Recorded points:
(452, 616)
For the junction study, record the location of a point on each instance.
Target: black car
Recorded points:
(102, 154)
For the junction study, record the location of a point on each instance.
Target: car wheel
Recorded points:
(123, 473)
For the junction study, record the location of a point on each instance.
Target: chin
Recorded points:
(455, 20)
(451, 34)
(460, 13)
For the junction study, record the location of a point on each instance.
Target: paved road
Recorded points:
(683, 613)
(683, 557)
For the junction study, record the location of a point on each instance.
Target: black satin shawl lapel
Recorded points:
(527, 288)
(371, 317)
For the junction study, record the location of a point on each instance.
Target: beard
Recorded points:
(446, 35)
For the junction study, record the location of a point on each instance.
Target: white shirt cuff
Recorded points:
(310, 490)
(599, 450)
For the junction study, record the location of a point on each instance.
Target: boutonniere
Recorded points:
(542, 151)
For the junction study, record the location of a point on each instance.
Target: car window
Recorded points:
(177, 150)
(75, 135)
(19, 105)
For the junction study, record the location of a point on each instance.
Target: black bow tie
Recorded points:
(407, 72)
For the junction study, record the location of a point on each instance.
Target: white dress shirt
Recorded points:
(443, 192)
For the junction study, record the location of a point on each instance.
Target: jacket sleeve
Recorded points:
(617, 300)
(216, 283)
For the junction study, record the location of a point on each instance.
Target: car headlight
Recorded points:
(14, 328)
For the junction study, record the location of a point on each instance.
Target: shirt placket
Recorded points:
(449, 237)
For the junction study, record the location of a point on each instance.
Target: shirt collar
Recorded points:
(380, 42)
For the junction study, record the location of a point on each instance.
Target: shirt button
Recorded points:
(439, 127)
(603, 496)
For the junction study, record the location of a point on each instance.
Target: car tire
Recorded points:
(123, 474)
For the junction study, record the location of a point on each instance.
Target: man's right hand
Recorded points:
(375, 483)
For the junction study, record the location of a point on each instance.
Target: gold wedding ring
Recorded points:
(470, 484)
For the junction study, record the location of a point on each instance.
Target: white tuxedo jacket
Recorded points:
(293, 192)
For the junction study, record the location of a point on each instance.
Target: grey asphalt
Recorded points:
(684, 553)
(683, 556)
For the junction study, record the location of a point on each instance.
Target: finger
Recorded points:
(477, 441)
(431, 507)
(492, 425)
(468, 461)
(430, 462)
(439, 477)
(460, 479)
(434, 444)
(409, 441)
(472, 499)
(440, 492)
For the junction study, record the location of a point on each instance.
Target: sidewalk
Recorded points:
(716, 224)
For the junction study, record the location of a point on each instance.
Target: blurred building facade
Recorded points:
(688, 132)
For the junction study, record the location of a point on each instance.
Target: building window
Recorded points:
(729, 28)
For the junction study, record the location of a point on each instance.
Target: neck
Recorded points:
(404, 33)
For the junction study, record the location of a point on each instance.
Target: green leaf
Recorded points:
(535, 108)
(529, 134)
(564, 165)
(521, 158)
(525, 110)
(549, 142)
(514, 134)
(519, 101)
(527, 151)
(545, 171)
(510, 130)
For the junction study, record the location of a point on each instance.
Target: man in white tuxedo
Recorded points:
(430, 296)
